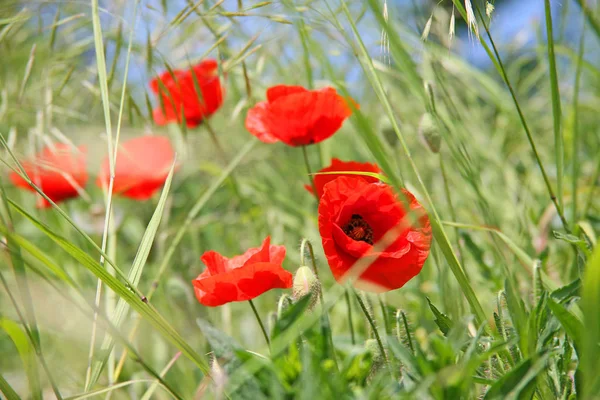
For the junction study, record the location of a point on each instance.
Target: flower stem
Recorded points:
(388, 328)
(307, 163)
(324, 317)
(373, 327)
(349, 308)
(223, 156)
(262, 327)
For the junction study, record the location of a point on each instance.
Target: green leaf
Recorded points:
(441, 319)
(590, 336)
(7, 390)
(518, 314)
(135, 273)
(26, 352)
(574, 240)
(570, 323)
(127, 292)
(225, 350)
(290, 315)
(567, 292)
(519, 382)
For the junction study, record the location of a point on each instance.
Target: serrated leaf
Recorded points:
(519, 382)
(441, 319)
(574, 240)
(567, 292)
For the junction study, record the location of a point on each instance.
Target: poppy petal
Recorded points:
(142, 166)
(263, 277)
(257, 122)
(242, 277)
(374, 208)
(338, 165)
(59, 171)
(275, 92)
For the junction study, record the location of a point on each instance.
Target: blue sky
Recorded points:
(517, 25)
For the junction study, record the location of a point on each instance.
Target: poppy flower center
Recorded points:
(358, 229)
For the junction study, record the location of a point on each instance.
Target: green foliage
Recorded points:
(505, 307)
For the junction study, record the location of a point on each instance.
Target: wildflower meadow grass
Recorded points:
(310, 199)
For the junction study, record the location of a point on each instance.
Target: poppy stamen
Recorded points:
(358, 229)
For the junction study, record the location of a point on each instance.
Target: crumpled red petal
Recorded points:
(242, 277)
(407, 247)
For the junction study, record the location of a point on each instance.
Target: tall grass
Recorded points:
(505, 307)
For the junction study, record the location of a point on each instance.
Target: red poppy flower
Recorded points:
(60, 172)
(356, 221)
(143, 164)
(339, 165)
(179, 94)
(297, 116)
(242, 277)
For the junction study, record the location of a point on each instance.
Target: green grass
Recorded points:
(505, 307)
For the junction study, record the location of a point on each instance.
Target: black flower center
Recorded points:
(358, 229)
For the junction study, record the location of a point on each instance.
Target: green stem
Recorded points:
(386, 322)
(349, 308)
(595, 177)
(307, 163)
(373, 327)
(262, 327)
(575, 144)
(324, 317)
(451, 208)
(401, 318)
(556, 107)
(223, 156)
(538, 160)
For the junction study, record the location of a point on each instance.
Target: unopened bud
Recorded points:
(305, 282)
(428, 132)
(219, 378)
(373, 348)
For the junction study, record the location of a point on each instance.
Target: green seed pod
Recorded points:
(305, 282)
(428, 132)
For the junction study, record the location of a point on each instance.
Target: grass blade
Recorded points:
(590, 362)
(134, 274)
(126, 291)
(7, 390)
(556, 108)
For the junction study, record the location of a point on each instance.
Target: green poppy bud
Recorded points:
(428, 132)
(372, 347)
(305, 282)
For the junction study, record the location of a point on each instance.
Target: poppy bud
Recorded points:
(428, 132)
(305, 282)
(372, 347)
(219, 378)
(284, 302)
